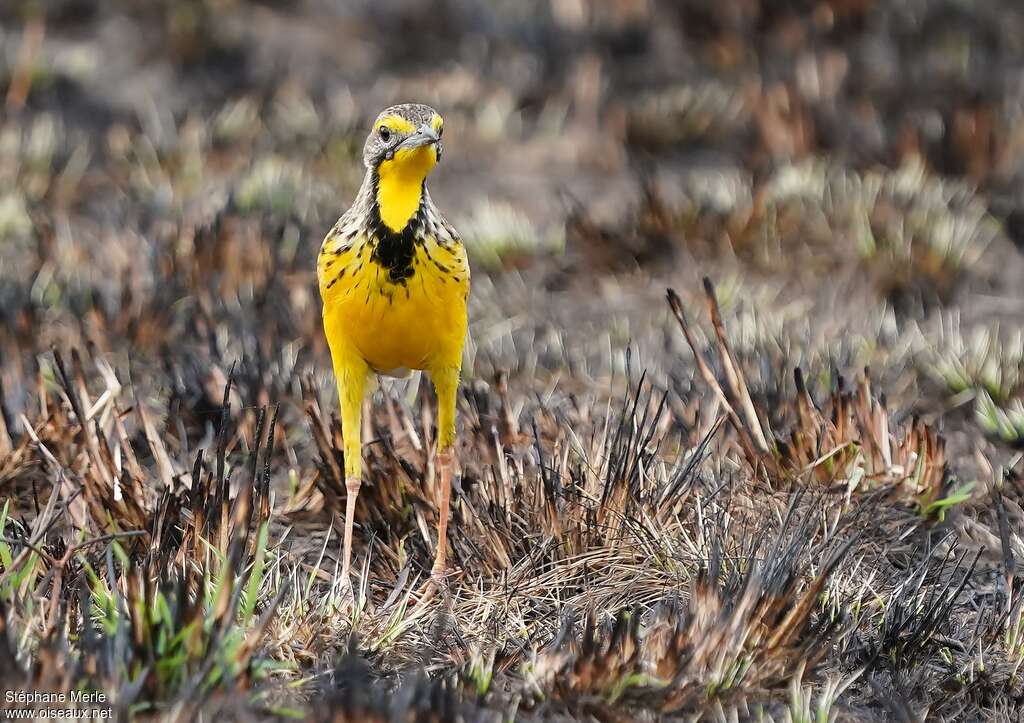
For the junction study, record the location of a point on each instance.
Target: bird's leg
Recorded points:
(446, 384)
(351, 374)
(445, 460)
(352, 485)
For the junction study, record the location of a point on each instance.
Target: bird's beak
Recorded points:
(424, 136)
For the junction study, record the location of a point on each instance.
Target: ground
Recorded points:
(789, 489)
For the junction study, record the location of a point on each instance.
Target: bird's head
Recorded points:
(404, 134)
(403, 147)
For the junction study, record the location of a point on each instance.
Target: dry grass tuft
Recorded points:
(851, 443)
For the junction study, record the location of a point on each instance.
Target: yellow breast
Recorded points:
(418, 322)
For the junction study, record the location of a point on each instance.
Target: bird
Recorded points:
(394, 280)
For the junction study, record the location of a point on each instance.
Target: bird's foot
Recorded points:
(439, 578)
(436, 583)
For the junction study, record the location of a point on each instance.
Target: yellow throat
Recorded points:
(400, 185)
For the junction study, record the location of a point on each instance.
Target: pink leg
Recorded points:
(444, 465)
(352, 484)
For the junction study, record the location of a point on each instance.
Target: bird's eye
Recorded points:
(385, 133)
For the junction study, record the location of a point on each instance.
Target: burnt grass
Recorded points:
(741, 413)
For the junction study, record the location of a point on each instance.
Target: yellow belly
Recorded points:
(417, 324)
